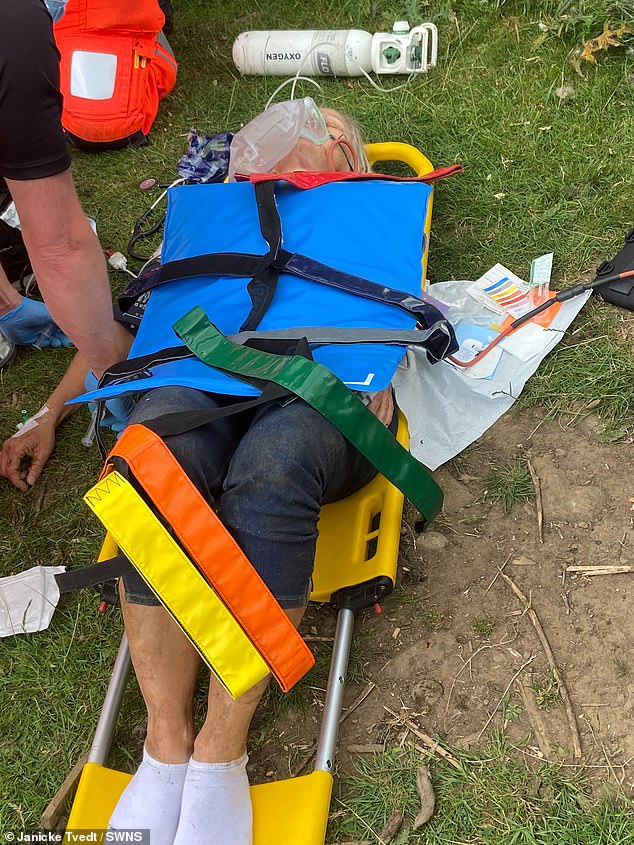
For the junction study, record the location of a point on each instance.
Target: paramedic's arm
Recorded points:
(69, 264)
(382, 405)
(24, 456)
(9, 297)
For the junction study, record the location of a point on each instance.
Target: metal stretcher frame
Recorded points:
(355, 566)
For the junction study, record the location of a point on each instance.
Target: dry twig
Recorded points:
(311, 638)
(55, 807)
(358, 700)
(356, 842)
(387, 834)
(600, 570)
(508, 687)
(538, 501)
(465, 663)
(392, 827)
(563, 689)
(536, 720)
(431, 744)
(427, 795)
(497, 575)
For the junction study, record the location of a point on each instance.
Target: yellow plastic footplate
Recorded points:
(293, 812)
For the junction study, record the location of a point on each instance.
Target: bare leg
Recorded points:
(166, 666)
(223, 736)
(216, 803)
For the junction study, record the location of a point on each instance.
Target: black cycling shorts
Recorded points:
(32, 143)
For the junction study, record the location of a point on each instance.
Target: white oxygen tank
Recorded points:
(336, 52)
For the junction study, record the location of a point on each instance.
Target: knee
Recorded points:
(192, 451)
(285, 472)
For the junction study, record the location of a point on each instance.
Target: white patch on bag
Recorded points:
(92, 75)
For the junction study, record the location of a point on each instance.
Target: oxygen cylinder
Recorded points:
(337, 52)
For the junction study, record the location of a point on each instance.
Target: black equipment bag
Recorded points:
(620, 292)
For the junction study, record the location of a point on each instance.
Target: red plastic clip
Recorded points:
(102, 607)
(377, 608)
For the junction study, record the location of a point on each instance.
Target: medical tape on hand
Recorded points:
(209, 625)
(31, 423)
(324, 392)
(214, 551)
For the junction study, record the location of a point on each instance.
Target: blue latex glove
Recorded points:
(30, 324)
(56, 8)
(118, 410)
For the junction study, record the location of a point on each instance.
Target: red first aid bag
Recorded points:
(116, 66)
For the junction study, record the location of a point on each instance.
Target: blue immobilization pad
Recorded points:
(372, 229)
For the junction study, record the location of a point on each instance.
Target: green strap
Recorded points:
(324, 392)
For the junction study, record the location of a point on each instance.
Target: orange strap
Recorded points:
(217, 555)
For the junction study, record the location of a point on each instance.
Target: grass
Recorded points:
(495, 799)
(622, 668)
(508, 484)
(541, 173)
(546, 691)
(484, 625)
(586, 376)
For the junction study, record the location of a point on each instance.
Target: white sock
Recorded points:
(152, 800)
(216, 805)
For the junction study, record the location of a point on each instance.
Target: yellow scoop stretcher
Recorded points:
(357, 553)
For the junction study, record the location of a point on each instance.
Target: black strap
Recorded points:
(263, 285)
(423, 312)
(264, 271)
(136, 369)
(181, 421)
(295, 263)
(95, 573)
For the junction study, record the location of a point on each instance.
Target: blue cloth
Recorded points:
(207, 157)
(372, 229)
(268, 472)
(30, 324)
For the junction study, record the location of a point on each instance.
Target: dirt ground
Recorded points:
(457, 653)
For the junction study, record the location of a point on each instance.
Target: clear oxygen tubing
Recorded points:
(293, 80)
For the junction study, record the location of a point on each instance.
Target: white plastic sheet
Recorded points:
(28, 600)
(448, 409)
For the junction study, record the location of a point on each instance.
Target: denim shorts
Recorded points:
(267, 473)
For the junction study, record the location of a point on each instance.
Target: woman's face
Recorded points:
(306, 155)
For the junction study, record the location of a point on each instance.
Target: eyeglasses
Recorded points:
(270, 136)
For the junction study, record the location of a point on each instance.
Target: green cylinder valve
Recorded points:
(391, 55)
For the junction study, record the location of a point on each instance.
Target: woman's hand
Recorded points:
(382, 405)
(24, 455)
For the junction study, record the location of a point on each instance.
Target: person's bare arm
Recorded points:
(69, 264)
(9, 297)
(24, 456)
(382, 405)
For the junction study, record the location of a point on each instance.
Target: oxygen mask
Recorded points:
(271, 136)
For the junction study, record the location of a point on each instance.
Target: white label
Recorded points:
(92, 75)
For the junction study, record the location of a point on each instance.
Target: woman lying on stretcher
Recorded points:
(267, 473)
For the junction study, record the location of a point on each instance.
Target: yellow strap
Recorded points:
(183, 591)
